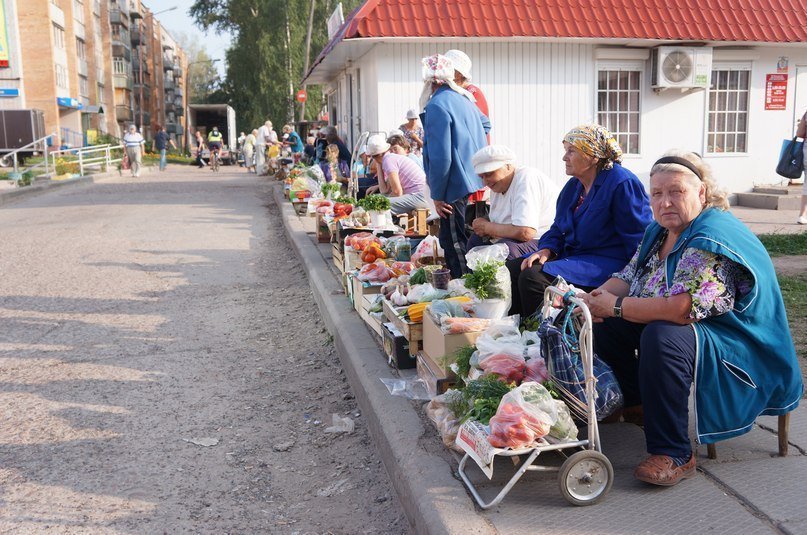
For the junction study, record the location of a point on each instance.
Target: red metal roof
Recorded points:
(772, 21)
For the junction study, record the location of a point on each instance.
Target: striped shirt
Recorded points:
(133, 140)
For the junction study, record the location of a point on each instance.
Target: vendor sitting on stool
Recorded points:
(399, 178)
(698, 302)
(522, 202)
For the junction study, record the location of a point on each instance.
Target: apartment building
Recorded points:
(88, 64)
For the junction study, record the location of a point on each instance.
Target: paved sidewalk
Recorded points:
(747, 489)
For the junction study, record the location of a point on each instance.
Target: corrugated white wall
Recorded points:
(538, 91)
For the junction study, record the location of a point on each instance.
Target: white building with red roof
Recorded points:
(724, 78)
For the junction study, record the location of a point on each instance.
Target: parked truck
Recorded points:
(204, 117)
(19, 128)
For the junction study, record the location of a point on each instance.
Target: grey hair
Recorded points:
(715, 197)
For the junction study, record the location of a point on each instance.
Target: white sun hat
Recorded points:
(376, 144)
(491, 158)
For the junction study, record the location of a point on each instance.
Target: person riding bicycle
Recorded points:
(214, 140)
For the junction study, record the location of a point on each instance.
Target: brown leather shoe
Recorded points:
(661, 470)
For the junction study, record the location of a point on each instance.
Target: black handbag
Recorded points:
(791, 160)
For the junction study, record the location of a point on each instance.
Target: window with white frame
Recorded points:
(83, 86)
(618, 103)
(81, 48)
(727, 122)
(100, 93)
(120, 66)
(61, 76)
(58, 36)
(78, 11)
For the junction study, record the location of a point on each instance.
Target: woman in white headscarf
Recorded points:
(454, 129)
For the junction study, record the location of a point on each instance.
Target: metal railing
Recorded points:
(98, 156)
(40, 144)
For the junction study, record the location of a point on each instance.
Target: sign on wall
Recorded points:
(3, 37)
(775, 91)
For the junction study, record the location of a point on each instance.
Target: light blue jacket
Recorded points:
(746, 363)
(454, 130)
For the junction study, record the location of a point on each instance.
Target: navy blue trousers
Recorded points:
(654, 365)
(453, 238)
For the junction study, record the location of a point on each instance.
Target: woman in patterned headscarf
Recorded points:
(600, 216)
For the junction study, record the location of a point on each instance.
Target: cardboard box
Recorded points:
(360, 289)
(323, 230)
(411, 331)
(437, 381)
(396, 347)
(436, 344)
(367, 302)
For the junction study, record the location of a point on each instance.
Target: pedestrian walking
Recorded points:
(135, 146)
(249, 150)
(160, 143)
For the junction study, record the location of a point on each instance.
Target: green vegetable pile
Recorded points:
(482, 280)
(482, 397)
(375, 202)
(344, 199)
(462, 357)
(331, 188)
(418, 277)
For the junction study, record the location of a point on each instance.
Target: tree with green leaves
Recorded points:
(203, 74)
(266, 60)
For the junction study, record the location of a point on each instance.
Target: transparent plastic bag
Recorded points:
(501, 336)
(426, 249)
(444, 419)
(510, 367)
(441, 308)
(423, 293)
(564, 428)
(525, 414)
(501, 288)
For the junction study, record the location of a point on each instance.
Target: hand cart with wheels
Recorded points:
(586, 475)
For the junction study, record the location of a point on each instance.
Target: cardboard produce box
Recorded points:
(396, 347)
(360, 289)
(436, 344)
(437, 381)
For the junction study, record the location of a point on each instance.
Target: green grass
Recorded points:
(794, 291)
(785, 244)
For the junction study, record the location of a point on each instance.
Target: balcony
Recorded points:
(178, 93)
(137, 37)
(122, 81)
(124, 113)
(82, 67)
(170, 107)
(180, 111)
(116, 16)
(178, 103)
(168, 63)
(177, 72)
(79, 30)
(168, 84)
(173, 128)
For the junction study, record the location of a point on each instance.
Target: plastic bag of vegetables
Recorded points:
(525, 415)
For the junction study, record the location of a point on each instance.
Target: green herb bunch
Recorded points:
(375, 202)
(344, 199)
(483, 396)
(482, 280)
(330, 188)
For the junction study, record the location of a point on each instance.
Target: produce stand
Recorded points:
(585, 476)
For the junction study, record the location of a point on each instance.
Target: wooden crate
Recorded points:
(364, 313)
(411, 331)
(338, 258)
(323, 230)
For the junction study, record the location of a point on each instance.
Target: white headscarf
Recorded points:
(438, 69)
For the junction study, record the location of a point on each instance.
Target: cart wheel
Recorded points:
(585, 477)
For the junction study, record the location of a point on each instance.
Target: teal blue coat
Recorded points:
(746, 363)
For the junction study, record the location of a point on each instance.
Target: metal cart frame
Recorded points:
(585, 476)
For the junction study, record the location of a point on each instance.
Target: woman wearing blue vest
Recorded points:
(600, 216)
(699, 301)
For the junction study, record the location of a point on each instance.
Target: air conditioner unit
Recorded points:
(680, 67)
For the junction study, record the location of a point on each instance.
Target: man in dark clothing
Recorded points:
(160, 143)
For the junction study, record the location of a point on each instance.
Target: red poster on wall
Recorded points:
(775, 91)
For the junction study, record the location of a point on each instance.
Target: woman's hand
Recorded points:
(541, 257)
(372, 189)
(444, 209)
(480, 226)
(600, 303)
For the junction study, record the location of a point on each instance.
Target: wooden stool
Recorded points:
(783, 428)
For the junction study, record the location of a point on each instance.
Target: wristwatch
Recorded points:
(618, 307)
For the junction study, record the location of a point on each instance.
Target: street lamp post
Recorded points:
(140, 65)
(188, 100)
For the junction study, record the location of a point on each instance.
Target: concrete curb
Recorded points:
(434, 501)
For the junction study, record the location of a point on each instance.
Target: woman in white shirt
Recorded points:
(522, 202)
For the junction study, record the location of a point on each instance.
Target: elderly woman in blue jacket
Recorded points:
(699, 301)
(454, 130)
(600, 216)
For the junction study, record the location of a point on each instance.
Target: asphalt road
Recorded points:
(163, 369)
